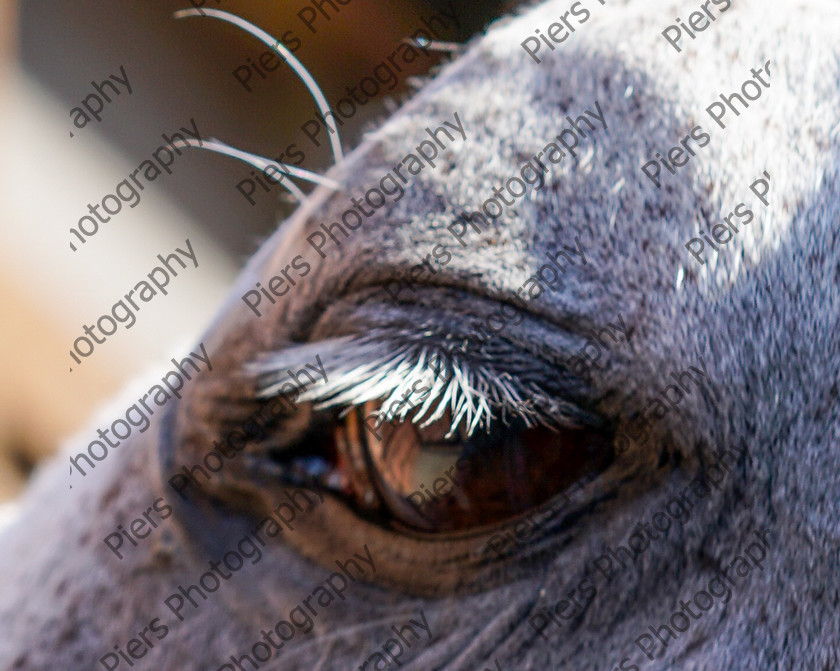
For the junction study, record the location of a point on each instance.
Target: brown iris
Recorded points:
(418, 478)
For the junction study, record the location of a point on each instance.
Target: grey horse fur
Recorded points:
(762, 314)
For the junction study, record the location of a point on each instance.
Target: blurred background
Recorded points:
(51, 55)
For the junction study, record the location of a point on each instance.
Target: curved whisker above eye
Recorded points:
(283, 52)
(453, 48)
(226, 150)
(213, 144)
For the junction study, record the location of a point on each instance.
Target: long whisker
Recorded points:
(287, 55)
(436, 45)
(261, 162)
(251, 159)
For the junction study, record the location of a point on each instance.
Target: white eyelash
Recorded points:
(370, 368)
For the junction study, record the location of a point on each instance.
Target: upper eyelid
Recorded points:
(382, 367)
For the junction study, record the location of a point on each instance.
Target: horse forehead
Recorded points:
(636, 233)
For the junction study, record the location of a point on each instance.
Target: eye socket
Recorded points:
(429, 479)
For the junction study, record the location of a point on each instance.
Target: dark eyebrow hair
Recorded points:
(383, 365)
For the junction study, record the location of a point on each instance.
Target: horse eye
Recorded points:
(405, 476)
